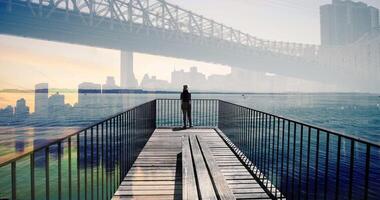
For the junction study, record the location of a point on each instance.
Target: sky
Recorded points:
(25, 62)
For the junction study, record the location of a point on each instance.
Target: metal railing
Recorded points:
(294, 160)
(204, 112)
(88, 164)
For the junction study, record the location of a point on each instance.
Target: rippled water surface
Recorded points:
(356, 114)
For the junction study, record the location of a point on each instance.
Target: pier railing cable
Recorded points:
(291, 159)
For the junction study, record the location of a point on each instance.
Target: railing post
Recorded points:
(13, 177)
(69, 169)
(351, 172)
(92, 161)
(316, 166)
(338, 168)
(326, 165)
(59, 171)
(32, 177)
(47, 175)
(97, 161)
(85, 164)
(367, 167)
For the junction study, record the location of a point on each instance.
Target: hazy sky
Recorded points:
(24, 62)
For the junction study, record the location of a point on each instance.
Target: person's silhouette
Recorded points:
(186, 105)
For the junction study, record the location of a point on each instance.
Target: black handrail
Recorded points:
(6, 161)
(345, 135)
(295, 160)
(88, 164)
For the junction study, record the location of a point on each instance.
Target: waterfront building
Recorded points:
(110, 86)
(152, 83)
(374, 15)
(88, 94)
(56, 105)
(89, 99)
(41, 94)
(6, 115)
(196, 80)
(110, 99)
(344, 22)
(21, 110)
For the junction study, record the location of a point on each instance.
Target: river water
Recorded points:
(355, 114)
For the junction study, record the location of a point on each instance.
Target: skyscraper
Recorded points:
(6, 114)
(88, 94)
(89, 100)
(110, 85)
(21, 110)
(374, 13)
(41, 94)
(193, 78)
(127, 77)
(344, 22)
(56, 106)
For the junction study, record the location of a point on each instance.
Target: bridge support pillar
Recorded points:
(127, 77)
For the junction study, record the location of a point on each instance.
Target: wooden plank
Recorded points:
(133, 183)
(154, 175)
(206, 188)
(142, 192)
(256, 195)
(188, 177)
(149, 187)
(151, 178)
(222, 189)
(155, 197)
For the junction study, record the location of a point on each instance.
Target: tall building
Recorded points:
(6, 115)
(88, 94)
(56, 100)
(41, 95)
(21, 110)
(111, 100)
(193, 78)
(127, 77)
(344, 22)
(153, 83)
(110, 85)
(374, 13)
(89, 100)
(56, 105)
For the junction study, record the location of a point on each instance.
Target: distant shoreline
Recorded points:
(141, 91)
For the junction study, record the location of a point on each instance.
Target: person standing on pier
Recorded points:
(186, 105)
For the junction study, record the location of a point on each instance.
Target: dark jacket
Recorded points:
(185, 96)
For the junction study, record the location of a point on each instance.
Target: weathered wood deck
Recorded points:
(157, 172)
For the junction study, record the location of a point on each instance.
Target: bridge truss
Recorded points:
(157, 16)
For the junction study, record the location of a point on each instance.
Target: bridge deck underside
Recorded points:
(157, 172)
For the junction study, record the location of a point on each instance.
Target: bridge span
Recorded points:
(160, 28)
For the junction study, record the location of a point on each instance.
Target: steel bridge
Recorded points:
(160, 28)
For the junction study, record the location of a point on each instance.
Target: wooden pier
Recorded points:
(158, 171)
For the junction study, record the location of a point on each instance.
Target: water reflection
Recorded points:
(350, 113)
